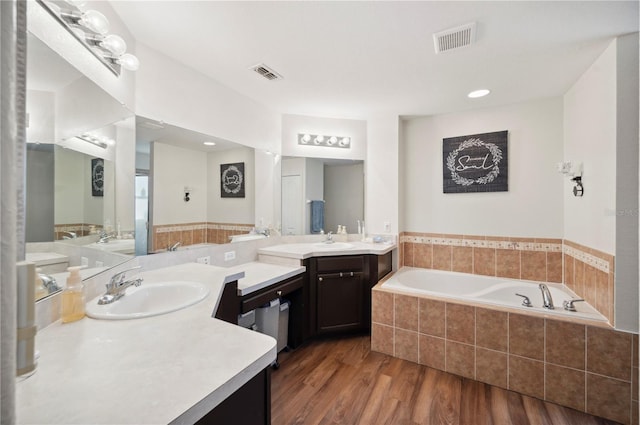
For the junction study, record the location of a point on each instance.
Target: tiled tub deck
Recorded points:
(589, 368)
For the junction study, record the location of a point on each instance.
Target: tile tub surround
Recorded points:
(196, 233)
(588, 368)
(587, 272)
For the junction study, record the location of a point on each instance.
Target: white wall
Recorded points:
(382, 174)
(71, 179)
(171, 92)
(173, 169)
(292, 125)
(313, 190)
(590, 137)
(533, 205)
(41, 116)
(268, 183)
(125, 168)
(231, 210)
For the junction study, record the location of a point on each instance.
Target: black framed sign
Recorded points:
(232, 180)
(475, 163)
(97, 177)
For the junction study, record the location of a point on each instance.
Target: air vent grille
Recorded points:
(455, 38)
(266, 72)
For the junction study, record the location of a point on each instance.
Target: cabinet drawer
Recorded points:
(278, 290)
(343, 264)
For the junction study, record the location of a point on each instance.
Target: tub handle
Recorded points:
(526, 301)
(568, 304)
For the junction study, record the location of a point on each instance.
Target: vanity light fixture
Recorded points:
(89, 138)
(322, 140)
(91, 28)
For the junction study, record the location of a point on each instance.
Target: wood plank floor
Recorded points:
(340, 381)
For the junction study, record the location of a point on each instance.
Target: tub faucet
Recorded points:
(174, 247)
(547, 301)
(329, 238)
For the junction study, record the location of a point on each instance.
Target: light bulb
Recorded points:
(115, 44)
(345, 141)
(319, 139)
(95, 21)
(332, 140)
(129, 62)
(306, 138)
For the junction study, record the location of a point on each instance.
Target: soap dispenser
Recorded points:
(73, 297)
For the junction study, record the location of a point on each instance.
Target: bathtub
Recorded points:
(494, 291)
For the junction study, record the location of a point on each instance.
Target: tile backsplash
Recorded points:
(196, 233)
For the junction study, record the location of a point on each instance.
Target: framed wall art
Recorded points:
(232, 180)
(475, 163)
(97, 177)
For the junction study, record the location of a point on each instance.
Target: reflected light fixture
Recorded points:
(478, 93)
(324, 140)
(209, 143)
(91, 28)
(100, 141)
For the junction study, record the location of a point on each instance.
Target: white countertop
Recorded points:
(302, 251)
(259, 275)
(173, 367)
(46, 258)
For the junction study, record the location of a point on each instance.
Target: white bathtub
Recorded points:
(487, 290)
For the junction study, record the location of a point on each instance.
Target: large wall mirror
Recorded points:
(320, 194)
(77, 137)
(191, 188)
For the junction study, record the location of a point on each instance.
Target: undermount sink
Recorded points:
(335, 246)
(149, 300)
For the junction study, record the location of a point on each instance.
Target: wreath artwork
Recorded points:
(475, 163)
(232, 180)
(97, 177)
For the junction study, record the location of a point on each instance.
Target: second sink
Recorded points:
(150, 300)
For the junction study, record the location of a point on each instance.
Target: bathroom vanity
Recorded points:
(181, 367)
(333, 296)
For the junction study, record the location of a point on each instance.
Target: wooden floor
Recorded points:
(340, 381)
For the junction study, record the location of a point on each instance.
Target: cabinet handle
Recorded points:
(279, 293)
(320, 279)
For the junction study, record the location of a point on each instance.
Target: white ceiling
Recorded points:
(352, 59)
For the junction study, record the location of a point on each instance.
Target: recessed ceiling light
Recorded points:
(478, 93)
(209, 143)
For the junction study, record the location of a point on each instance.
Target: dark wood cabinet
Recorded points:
(340, 302)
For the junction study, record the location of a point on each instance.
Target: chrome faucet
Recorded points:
(329, 238)
(69, 235)
(49, 283)
(117, 286)
(174, 247)
(104, 237)
(547, 301)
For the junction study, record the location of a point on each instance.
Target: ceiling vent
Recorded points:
(266, 72)
(454, 38)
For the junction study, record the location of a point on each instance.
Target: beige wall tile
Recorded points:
(461, 321)
(492, 329)
(382, 339)
(565, 386)
(526, 336)
(609, 398)
(462, 259)
(609, 353)
(460, 359)
(432, 317)
(382, 307)
(491, 367)
(534, 265)
(578, 270)
(406, 312)
(406, 345)
(569, 278)
(432, 351)
(554, 267)
(422, 255)
(565, 344)
(508, 263)
(590, 285)
(526, 376)
(442, 257)
(484, 261)
(408, 253)
(603, 304)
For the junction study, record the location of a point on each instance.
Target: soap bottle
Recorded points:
(73, 297)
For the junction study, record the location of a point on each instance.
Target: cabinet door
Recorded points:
(340, 302)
